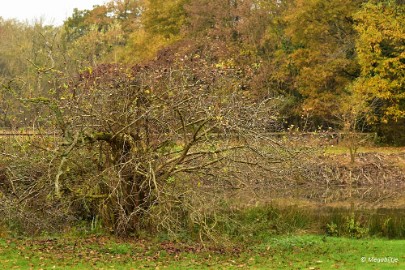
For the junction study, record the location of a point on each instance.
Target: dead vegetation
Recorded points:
(375, 180)
(264, 170)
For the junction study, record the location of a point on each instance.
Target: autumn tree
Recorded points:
(32, 57)
(100, 35)
(381, 52)
(316, 56)
(160, 25)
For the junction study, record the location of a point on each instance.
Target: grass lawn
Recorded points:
(281, 252)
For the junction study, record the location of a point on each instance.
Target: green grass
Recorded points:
(280, 252)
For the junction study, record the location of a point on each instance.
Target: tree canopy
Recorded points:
(315, 57)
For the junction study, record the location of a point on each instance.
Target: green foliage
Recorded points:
(354, 228)
(332, 229)
(363, 224)
(388, 223)
(75, 26)
(258, 223)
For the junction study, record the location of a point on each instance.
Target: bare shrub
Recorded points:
(152, 147)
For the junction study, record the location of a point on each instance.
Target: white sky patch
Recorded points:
(51, 11)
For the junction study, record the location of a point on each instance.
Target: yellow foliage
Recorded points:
(380, 48)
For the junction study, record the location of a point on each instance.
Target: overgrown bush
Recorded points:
(145, 152)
